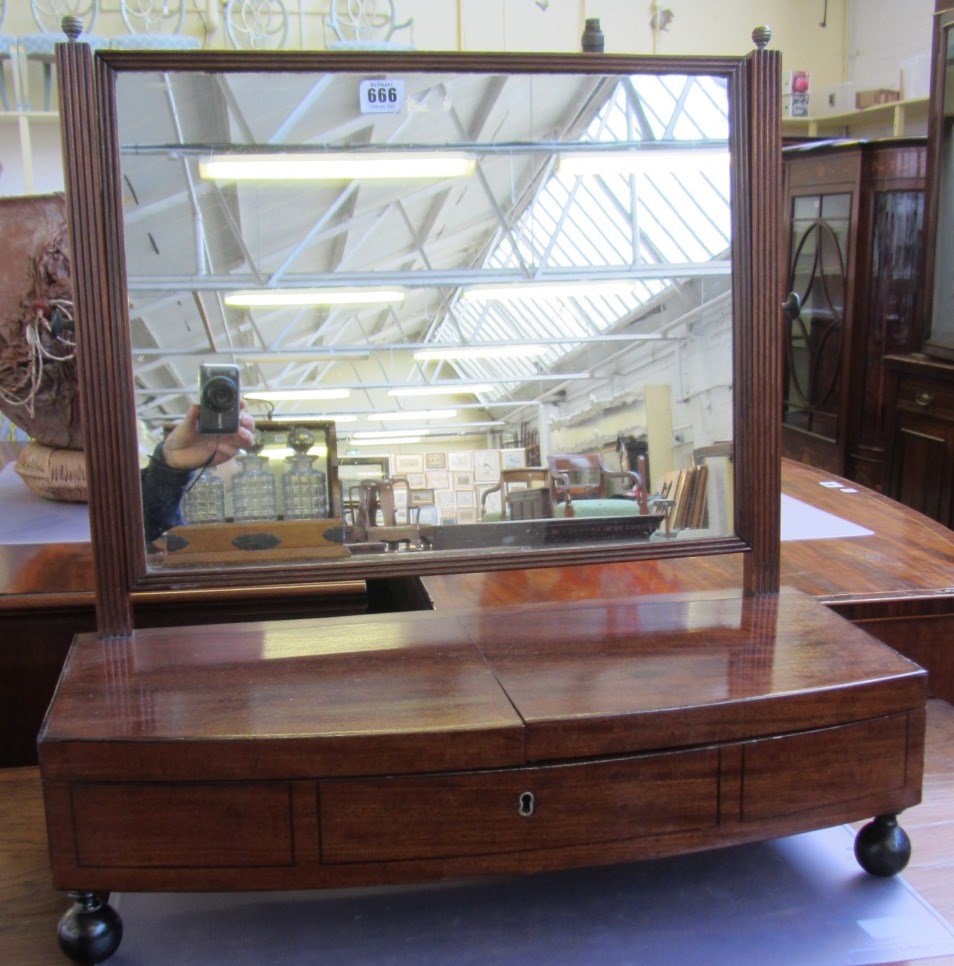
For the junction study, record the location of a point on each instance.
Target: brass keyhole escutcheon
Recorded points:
(525, 804)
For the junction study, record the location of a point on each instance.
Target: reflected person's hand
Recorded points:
(187, 449)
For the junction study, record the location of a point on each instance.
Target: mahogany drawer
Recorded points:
(182, 825)
(797, 773)
(926, 396)
(483, 813)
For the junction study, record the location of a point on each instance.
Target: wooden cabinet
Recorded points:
(919, 468)
(854, 217)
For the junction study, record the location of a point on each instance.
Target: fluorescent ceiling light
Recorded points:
(535, 291)
(643, 161)
(479, 352)
(289, 395)
(337, 166)
(448, 390)
(279, 297)
(391, 441)
(386, 433)
(275, 453)
(415, 414)
(304, 418)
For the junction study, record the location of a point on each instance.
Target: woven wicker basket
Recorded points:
(55, 474)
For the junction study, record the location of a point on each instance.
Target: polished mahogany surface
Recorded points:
(430, 691)
(908, 556)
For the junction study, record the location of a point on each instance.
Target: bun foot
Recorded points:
(882, 847)
(91, 930)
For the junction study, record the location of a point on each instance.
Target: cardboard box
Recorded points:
(865, 99)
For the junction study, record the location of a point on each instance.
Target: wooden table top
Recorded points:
(908, 556)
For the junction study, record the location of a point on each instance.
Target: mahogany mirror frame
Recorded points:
(91, 160)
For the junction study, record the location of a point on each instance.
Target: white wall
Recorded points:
(885, 36)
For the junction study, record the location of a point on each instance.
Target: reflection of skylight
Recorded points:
(612, 222)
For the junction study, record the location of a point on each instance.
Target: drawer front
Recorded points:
(926, 396)
(182, 825)
(487, 813)
(783, 776)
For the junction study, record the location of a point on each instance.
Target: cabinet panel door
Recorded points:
(923, 466)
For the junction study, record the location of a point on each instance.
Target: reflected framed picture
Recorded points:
(438, 479)
(460, 460)
(513, 459)
(409, 463)
(487, 465)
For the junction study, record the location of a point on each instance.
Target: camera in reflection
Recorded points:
(218, 399)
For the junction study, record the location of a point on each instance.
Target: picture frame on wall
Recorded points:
(416, 481)
(444, 498)
(438, 479)
(435, 461)
(487, 466)
(408, 463)
(466, 515)
(460, 460)
(466, 498)
(463, 480)
(422, 497)
(513, 459)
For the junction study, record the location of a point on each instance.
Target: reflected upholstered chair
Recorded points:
(366, 25)
(588, 480)
(40, 47)
(8, 57)
(256, 24)
(154, 25)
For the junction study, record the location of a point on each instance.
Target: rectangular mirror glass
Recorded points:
(511, 290)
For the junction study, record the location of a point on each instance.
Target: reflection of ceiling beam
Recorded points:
(432, 279)
(330, 352)
(562, 377)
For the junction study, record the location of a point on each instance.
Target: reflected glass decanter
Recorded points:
(204, 500)
(253, 489)
(304, 488)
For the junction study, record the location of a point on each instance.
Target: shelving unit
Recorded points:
(897, 119)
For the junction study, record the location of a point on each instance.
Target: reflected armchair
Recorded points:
(525, 493)
(585, 480)
(375, 511)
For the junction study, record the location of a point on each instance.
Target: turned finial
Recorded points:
(761, 36)
(592, 41)
(72, 27)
